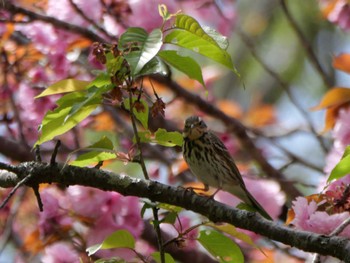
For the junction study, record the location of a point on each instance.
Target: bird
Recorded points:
(210, 161)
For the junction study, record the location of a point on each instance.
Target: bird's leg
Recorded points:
(193, 189)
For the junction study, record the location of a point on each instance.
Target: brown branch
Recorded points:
(13, 9)
(338, 247)
(236, 127)
(15, 150)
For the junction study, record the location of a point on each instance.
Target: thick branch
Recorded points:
(217, 212)
(236, 127)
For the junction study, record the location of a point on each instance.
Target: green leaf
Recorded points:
(199, 45)
(190, 35)
(186, 65)
(142, 116)
(101, 80)
(93, 94)
(190, 24)
(133, 35)
(221, 247)
(64, 86)
(162, 137)
(144, 208)
(343, 167)
(170, 139)
(118, 239)
(149, 46)
(101, 150)
(168, 257)
(92, 157)
(155, 66)
(56, 123)
(218, 38)
(104, 144)
(170, 218)
(171, 208)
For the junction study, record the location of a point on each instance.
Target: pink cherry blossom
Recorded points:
(308, 218)
(54, 216)
(63, 10)
(60, 253)
(341, 14)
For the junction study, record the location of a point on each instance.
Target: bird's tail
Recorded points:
(257, 206)
(242, 193)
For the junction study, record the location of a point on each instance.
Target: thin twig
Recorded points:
(88, 19)
(14, 189)
(54, 153)
(308, 48)
(37, 154)
(38, 198)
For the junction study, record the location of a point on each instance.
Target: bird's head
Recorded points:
(195, 127)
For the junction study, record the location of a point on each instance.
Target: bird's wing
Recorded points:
(221, 150)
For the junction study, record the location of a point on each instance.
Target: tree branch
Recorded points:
(13, 9)
(217, 212)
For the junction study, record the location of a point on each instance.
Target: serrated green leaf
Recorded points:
(55, 122)
(218, 38)
(170, 218)
(101, 80)
(144, 208)
(149, 45)
(101, 150)
(170, 139)
(142, 116)
(190, 24)
(168, 257)
(92, 157)
(342, 168)
(155, 66)
(92, 94)
(171, 208)
(64, 86)
(221, 247)
(104, 144)
(200, 45)
(186, 65)
(162, 137)
(119, 239)
(133, 35)
(145, 136)
(149, 49)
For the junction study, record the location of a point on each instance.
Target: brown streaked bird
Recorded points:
(211, 163)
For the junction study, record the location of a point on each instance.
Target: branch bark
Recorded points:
(335, 246)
